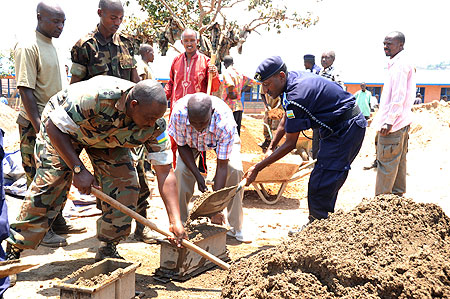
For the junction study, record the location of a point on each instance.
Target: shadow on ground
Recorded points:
(253, 201)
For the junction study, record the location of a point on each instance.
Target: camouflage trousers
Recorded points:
(115, 172)
(27, 143)
(139, 156)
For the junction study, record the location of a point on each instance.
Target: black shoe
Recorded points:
(108, 250)
(12, 252)
(373, 165)
(51, 239)
(265, 144)
(60, 226)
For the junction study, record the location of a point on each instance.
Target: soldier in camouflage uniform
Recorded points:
(106, 52)
(106, 116)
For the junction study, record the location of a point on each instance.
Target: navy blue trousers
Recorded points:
(336, 153)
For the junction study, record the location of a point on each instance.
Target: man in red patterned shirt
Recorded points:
(189, 74)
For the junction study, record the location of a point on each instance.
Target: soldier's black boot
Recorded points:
(107, 250)
(60, 226)
(143, 233)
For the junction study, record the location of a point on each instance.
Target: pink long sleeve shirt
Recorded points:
(398, 95)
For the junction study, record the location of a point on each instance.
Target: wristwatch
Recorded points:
(77, 169)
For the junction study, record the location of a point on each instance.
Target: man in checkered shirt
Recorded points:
(328, 70)
(200, 122)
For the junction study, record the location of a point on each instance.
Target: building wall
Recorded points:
(354, 87)
(433, 92)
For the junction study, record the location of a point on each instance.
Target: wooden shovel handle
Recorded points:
(114, 203)
(213, 61)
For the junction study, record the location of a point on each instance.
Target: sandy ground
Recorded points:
(428, 172)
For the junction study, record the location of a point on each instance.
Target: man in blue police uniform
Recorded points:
(310, 64)
(314, 102)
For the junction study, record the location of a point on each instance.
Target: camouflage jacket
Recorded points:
(92, 113)
(93, 55)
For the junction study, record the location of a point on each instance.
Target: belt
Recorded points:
(348, 114)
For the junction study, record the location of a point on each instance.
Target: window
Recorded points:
(421, 90)
(251, 94)
(445, 92)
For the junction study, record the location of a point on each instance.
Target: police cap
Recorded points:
(268, 68)
(309, 57)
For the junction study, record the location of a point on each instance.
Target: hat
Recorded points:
(309, 57)
(269, 67)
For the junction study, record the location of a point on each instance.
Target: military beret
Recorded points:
(268, 68)
(308, 57)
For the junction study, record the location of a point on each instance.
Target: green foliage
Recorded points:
(6, 63)
(444, 65)
(168, 18)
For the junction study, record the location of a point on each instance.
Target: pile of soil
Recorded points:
(388, 247)
(430, 120)
(8, 117)
(249, 143)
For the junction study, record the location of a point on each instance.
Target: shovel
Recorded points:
(13, 267)
(213, 61)
(115, 204)
(215, 202)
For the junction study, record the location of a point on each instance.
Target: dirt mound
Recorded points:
(388, 247)
(8, 117)
(431, 124)
(248, 142)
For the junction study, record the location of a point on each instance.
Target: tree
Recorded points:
(211, 18)
(6, 63)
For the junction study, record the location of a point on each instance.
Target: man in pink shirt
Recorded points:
(189, 74)
(394, 117)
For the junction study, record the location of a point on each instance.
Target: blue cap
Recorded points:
(309, 57)
(268, 68)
